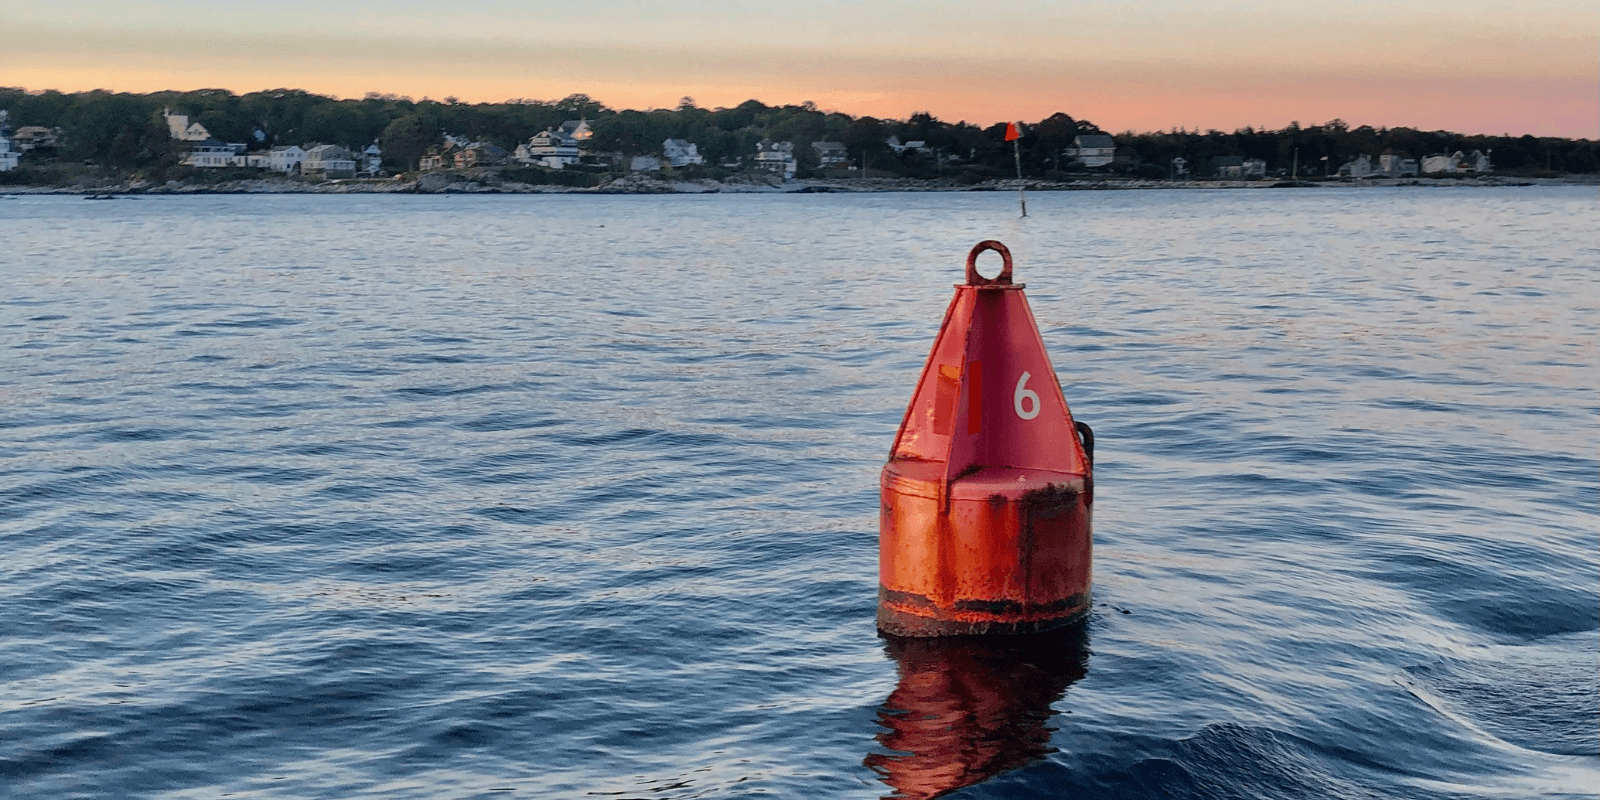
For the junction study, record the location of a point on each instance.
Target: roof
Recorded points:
(828, 146)
(1094, 140)
(677, 143)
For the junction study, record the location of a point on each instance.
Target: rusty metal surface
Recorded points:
(985, 523)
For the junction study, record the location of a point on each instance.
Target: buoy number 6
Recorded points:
(1024, 393)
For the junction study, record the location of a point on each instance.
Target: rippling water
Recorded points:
(564, 496)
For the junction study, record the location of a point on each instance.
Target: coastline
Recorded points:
(636, 183)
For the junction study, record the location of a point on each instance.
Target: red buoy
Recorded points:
(984, 523)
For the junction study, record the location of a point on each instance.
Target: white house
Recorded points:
(331, 160)
(1180, 166)
(680, 153)
(8, 154)
(1094, 150)
(831, 155)
(1441, 163)
(178, 127)
(212, 154)
(285, 159)
(1476, 162)
(551, 149)
(1359, 167)
(776, 157)
(644, 164)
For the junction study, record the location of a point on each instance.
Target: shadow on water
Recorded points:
(969, 708)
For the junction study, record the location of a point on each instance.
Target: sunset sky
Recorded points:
(1467, 65)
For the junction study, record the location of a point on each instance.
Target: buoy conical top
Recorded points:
(985, 523)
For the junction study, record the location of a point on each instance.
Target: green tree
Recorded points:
(405, 140)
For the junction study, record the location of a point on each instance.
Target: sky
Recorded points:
(1471, 66)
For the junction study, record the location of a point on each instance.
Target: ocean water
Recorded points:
(576, 496)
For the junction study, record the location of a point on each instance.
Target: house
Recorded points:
(478, 154)
(1093, 149)
(680, 153)
(35, 137)
(644, 164)
(212, 154)
(330, 160)
(1359, 167)
(1238, 167)
(204, 150)
(1227, 166)
(899, 147)
(372, 159)
(431, 160)
(576, 130)
(1180, 166)
(831, 155)
(1476, 162)
(285, 159)
(1432, 165)
(179, 127)
(1394, 165)
(8, 154)
(776, 157)
(553, 149)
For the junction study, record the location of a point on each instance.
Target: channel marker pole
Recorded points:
(1013, 133)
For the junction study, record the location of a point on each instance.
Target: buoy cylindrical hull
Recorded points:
(1002, 550)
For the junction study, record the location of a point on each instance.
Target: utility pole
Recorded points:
(1295, 175)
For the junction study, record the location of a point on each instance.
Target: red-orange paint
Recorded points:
(985, 516)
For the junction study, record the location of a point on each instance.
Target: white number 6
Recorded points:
(1024, 393)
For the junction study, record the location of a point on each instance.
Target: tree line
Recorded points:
(125, 131)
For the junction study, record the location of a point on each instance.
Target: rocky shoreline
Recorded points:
(637, 183)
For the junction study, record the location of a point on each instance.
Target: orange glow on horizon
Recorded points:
(1134, 65)
(1557, 110)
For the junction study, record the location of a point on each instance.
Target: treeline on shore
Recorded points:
(125, 133)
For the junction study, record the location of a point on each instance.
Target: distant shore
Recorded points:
(457, 183)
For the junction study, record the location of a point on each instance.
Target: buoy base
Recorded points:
(912, 615)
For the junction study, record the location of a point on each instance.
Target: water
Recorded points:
(577, 496)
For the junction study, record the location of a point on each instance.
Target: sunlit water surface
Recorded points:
(565, 496)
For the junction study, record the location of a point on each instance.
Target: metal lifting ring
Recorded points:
(974, 279)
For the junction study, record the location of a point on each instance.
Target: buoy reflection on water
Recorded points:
(968, 708)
